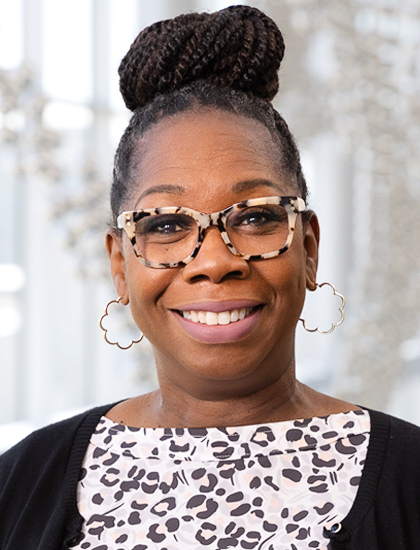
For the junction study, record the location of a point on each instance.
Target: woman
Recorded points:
(213, 248)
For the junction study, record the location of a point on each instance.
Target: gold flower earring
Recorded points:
(117, 301)
(341, 310)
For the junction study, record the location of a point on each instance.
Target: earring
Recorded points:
(106, 330)
(340, 309)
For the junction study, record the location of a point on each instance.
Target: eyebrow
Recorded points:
(164, 188)
(239, 187)
(248, 185)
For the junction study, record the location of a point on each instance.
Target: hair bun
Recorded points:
(239, 46)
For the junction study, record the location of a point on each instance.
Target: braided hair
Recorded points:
(227, 60)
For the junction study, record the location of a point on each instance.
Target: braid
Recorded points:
(239, 47)
(227, 60)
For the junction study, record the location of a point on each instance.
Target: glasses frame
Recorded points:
(293, 206)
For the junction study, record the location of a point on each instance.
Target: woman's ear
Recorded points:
(114, 248)
(311, 244)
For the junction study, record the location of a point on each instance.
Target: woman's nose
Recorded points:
(214, 261)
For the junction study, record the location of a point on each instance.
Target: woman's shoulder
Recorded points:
(52, 440)
(398, 429)
(397, 441)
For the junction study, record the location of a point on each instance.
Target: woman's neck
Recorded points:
(174, 408)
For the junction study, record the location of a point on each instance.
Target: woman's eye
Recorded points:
(255, 218)
(164, 225)
(260, 216)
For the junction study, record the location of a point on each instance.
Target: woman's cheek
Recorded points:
(147, 288)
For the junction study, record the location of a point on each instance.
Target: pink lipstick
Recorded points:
(219, 322)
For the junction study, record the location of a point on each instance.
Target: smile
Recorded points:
(219, 322)
(211, 318)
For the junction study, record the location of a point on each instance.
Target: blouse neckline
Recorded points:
(232, 443)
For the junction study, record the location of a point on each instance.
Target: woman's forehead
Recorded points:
(201, 152)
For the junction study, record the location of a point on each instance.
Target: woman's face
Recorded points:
(208, 162)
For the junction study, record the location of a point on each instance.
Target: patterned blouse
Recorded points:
(263, 487)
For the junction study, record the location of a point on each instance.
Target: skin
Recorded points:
(207, 162)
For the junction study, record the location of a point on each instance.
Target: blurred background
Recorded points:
(350, 90)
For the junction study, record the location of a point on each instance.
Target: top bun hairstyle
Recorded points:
(227, 60)
(238, 47)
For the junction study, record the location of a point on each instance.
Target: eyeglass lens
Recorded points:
(170, 238)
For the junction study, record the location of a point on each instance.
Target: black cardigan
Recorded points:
(38, 488)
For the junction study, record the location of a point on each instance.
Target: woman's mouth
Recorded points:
(211, 318)
(227, 324)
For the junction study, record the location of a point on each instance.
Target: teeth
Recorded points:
(234, 315)
(202, 317)
(223, 318)
(212, 318)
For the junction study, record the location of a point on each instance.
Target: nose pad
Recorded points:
(214, 261)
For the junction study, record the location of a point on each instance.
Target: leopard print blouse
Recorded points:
(263, 487)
